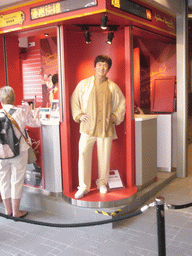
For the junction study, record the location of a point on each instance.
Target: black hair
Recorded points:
(103, 58)
(55, 79)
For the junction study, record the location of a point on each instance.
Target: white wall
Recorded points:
(174, 6)
(7, 3)
(190, 3)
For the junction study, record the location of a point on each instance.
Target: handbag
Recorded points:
(31, 152)
(31, 156)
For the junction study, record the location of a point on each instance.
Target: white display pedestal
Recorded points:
(166, 141)
(146, 149)
(52, 156)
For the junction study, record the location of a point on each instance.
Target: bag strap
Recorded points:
(17, 126)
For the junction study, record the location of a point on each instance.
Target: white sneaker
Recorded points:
(80, 193)
(103, 189)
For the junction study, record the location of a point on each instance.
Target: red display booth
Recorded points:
(80, 65)
(76, 62)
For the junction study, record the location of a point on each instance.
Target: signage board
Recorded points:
(59, 7)
(15, 18)
(114, 180)
(133, 8)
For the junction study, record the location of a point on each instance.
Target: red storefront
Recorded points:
(143, 48)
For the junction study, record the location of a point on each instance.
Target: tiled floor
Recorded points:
(133, 237)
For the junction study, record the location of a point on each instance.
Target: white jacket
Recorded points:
(80, 98)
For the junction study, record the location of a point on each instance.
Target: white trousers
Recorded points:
(86, 144)
(12, 174)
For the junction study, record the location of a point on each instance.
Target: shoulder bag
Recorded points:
(31, 152)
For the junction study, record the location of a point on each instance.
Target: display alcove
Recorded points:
(79, 63)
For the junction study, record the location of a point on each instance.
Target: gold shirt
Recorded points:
(99, 110)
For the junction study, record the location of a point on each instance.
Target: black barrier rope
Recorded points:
(120, 218)
(74, 225)
(177, 207)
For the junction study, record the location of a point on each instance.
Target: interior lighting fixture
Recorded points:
(86, 34)
(110, 38)
(104, 21)
(46, 34)
(87, 37)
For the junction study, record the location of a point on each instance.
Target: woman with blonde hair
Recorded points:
(12, 170)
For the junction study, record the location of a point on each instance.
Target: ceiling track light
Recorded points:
(110, 37)
(104, 21)
(87, 33)
(111, 34)
(87, 37)
(85, 27)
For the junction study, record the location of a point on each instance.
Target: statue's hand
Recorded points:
(85, 118)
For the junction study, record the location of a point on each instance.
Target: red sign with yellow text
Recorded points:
(49, 12)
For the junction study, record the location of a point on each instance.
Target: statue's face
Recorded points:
(101, 69)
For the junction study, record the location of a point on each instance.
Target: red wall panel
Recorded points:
(136, 75)
(130, 121)
(2, 64)
(13, 64)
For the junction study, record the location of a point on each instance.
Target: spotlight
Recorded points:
(87, 37)
(110, 38)
(104, 22)
(87, 34)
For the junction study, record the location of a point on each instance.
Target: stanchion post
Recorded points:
(161, 225)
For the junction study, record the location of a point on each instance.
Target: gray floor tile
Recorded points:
(43, 249)
(176, 218)
(10, 249)
(148, 242)
(133, 237)
(61, 247)
(175, 251)
(7, 236)
(87, 244)
(153, 254)
(121, 237)
(76, 252)
(3, 253)
(28, 242)
(98, 233)
(132, 254)
(65, 236)
(185, 235)
(111, 248)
